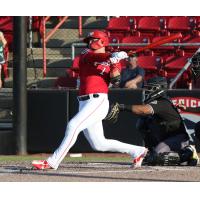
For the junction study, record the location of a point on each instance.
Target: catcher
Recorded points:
(161, 125)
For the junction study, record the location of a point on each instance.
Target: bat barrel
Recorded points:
(165, 40)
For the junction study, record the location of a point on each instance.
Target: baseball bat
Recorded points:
(158, 43)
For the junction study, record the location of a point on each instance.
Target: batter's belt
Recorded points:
(86, 97)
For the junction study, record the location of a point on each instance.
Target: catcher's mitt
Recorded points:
(113, 113)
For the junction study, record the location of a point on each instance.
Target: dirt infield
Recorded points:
(94, 168)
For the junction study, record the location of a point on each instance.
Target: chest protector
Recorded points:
(156, 129)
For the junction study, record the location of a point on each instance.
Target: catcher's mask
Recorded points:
(195, 67)
(155, 88)
(97, 39)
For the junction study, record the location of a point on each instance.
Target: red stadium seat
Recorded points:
(151, 24)
(191, 49)
(137, 19)
(161, 48)
(150, 62)
(120, 24)
(176, 62)
(134, 39)
(151, 65)
(134, 21)
(166, 18)
(181, 24)
(115, 38)
(172, 67)
(198, 22)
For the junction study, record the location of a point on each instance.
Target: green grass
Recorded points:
(67, 159)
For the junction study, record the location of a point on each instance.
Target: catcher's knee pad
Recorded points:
(169, 158)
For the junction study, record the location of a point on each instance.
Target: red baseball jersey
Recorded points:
(94, 72)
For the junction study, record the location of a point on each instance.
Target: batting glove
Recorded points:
(114, 60)
(119, 55)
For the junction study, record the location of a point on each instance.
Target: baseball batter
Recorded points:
(97, 69)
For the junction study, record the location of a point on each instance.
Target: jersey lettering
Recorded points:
(103, 67)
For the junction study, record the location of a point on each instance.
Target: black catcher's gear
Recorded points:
(195, 67)
(155, 88)
(162, 159)
(187, 156)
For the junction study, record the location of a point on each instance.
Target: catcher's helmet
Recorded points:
(155, 88)
(195, 67)
(97, 39)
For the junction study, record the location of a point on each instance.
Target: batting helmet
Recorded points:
(97, 39)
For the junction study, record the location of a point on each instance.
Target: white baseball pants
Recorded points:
(89, 120)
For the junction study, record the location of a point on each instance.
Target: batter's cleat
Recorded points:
(137, 162)
(194, 160)
(41, 164)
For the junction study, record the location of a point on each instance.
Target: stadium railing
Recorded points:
(46, 37)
